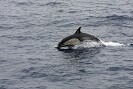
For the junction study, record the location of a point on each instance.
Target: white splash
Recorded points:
(89, 43)
(112, 44)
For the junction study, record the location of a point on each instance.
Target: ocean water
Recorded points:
(31, 29)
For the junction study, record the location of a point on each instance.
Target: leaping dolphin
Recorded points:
(76, 39)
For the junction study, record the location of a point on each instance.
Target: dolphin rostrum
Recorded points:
(76, 39)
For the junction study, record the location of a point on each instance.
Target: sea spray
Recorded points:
(88, 44)
(112, 44)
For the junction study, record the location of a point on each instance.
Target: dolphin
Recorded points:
(76, 39)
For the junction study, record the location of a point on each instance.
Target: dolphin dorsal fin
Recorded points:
(78, 31)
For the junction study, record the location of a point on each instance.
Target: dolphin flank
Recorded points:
(76, 39)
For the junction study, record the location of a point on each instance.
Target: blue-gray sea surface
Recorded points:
(31, 29)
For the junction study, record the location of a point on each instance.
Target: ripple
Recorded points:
(22, 3)
(58, 22)
(41, 87)
(73, 11)
(32, 73)
(67, 24)
(6, 27)
(115, 69)
(53, 3)
(35, 59)
(120, 68)
(3, 61)
(60, 11)
(116, 86)
(131, 44)
(3, 81)
(36, 75)
(119, 17)
(3, 87)
(21, 38)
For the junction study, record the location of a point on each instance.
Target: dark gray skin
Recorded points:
(79, 36)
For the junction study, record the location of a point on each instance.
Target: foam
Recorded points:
(112, 44)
